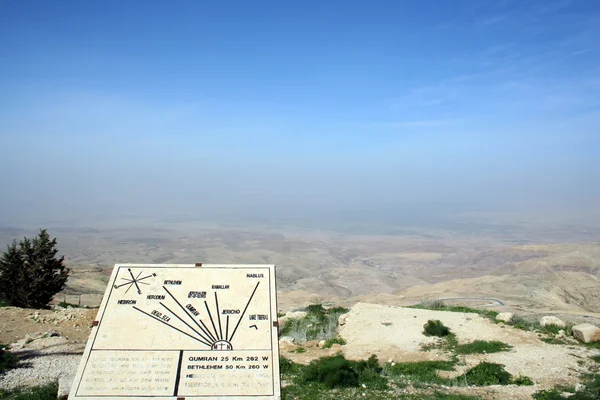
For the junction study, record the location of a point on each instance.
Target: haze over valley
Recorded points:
(387, 151)
(528, 264)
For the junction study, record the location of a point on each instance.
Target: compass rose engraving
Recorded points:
(137, 281)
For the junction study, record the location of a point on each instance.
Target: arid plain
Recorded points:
(536, 266)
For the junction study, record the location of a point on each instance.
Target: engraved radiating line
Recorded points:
(227, 329)
(130, 285)
(205, 329)
(245, 308)
(219, 317)
(169, 325)
(134, 281)
(211, 318)
(188, 325)
(136, 278)
(126, 283)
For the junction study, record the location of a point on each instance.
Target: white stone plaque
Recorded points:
(183, 331)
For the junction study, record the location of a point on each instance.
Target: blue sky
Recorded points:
(297, 103)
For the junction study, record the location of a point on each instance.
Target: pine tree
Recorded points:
(30, 272)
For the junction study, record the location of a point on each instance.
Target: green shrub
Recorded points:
(322, 380)
(421, 371)
(313, 333)
(441, 396)
(592, 345)
(552, 340)
(336, 340)
(337, 310)
(482, 346)
(316, 309)
(522, 380)
(590, 391)
(7, 359)
(483, 312)
(552, 329)
(431, 304)
(65, 304)
(371, 364)
(551, 394)
(299, 350)
(522, 323)
(287, 366)
(31, 273)
(565, 388)
(440, 306)
(435, 328)
(318, 324)
(591, 388)
(369, 373)
(337, 372)
(333, 372)
(596, 358)
(485, 374)
(519, 322)
(373, 380)
(42, 392)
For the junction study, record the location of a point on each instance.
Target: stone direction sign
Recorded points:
(183, 331)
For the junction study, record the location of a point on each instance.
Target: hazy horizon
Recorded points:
(387, 113)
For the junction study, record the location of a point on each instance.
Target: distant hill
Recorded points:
(560, 291)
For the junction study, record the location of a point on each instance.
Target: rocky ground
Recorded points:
(71, 323)
(395, 334)
(50, 343)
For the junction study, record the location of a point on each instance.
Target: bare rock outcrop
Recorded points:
(283, 321)
(505, 316)
(551, 320)
(586, 333)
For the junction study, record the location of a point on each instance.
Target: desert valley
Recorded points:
(530, 270)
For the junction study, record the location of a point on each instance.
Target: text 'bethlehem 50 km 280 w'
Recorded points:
(174, 331)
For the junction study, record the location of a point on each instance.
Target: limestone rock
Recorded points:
(295, 314)
(342, 319)
(281, 324)
(20, 344)
(586, 333)
(287, 339)
(288, 316)
(551, 320)
(505, 316)
(64, 386)
(322, 343)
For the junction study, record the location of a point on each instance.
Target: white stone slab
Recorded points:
(183, 331)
